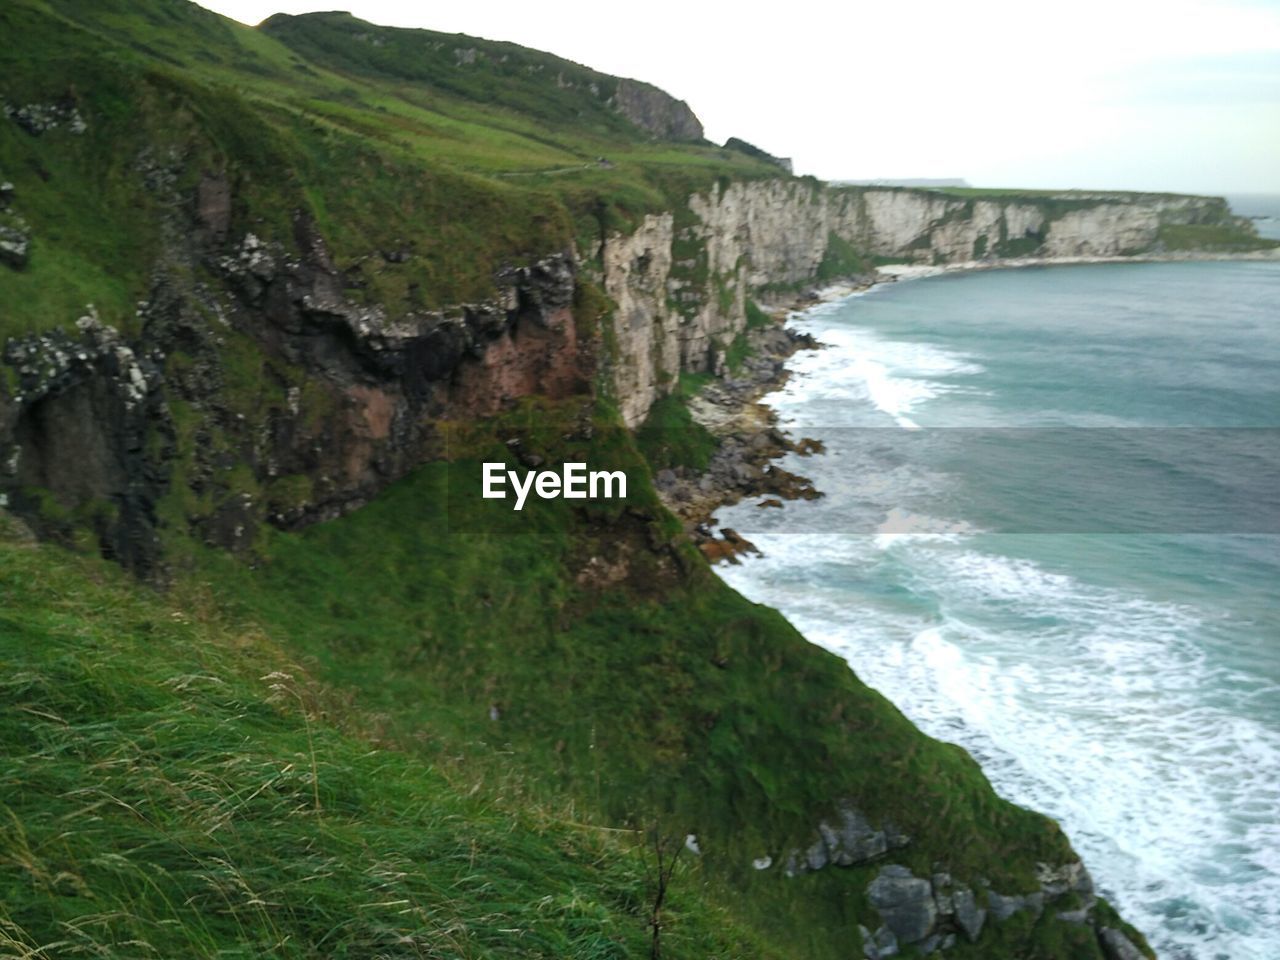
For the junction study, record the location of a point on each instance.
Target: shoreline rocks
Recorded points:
(748, 440)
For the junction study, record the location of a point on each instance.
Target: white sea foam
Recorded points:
(1079, 701)
(896, 377)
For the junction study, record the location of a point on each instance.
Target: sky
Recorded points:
(1180, 95)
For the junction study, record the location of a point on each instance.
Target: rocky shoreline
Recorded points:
(732, 410)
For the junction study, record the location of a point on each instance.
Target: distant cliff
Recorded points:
(682, 278)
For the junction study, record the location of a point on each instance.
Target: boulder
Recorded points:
(905, 902)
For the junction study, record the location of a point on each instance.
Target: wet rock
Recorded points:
(729, 547)
(904, 902)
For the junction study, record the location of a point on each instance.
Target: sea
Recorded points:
(1051, 534)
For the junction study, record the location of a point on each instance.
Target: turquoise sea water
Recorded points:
(1052, 534)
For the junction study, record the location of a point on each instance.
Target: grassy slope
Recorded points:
(173, 785)
(656, 702)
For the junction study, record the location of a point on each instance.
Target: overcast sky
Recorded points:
(1126, 94)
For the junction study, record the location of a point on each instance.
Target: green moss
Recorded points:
(166, 800)
(1024, 246)
(670, 437)
(757, 319)
(1217, 237)
(840, 260)
(738, 351)
(729, 725)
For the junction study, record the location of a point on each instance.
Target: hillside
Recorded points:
(268, 298)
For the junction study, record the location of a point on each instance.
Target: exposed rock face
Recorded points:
(350, 397)
(637, 269)
(15, 241)
(969, 916)
(39, 118)
(79, 425)
(656, 111)
(15, 236)
(91, 423)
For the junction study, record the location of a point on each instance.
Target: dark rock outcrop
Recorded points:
(89, 428)
(751, 150)
(15, 241)
(656, 111)
(39, 118)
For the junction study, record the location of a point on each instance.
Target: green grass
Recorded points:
(1014, 193)
(1206, 236)
(175, 785)
(841, 260)
(670, 437)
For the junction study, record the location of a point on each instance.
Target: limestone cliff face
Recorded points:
(681, 281)
(936, 228)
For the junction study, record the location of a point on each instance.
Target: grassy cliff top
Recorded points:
(470, 155)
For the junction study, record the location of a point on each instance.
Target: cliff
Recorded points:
(267, 300)
(682, 279)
